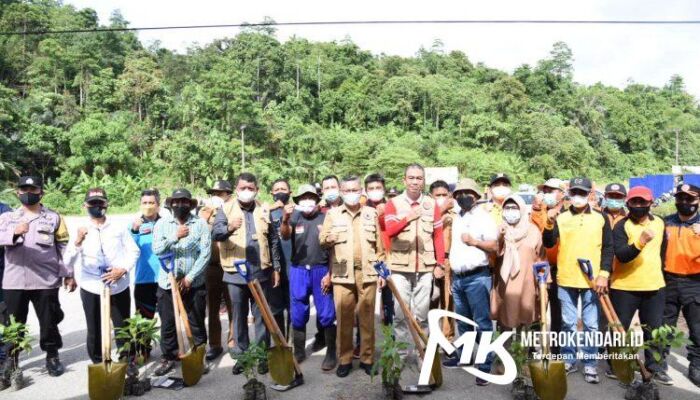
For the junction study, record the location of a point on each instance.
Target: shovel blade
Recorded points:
(549, 379)
(623, 369)
(106, 381)
(280, 361)
(193, 365)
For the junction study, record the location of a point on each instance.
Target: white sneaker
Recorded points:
(590, 374)
(570, 368)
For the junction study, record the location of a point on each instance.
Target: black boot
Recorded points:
(299, 341)
(331, 359)
(319, 338)
(694, 375)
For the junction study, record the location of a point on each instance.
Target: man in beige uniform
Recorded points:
(414, 224)
(216, 288)
(352, 234)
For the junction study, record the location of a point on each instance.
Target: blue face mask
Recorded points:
(614, 204)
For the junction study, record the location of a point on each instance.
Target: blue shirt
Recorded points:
(192, 252)
(148, 265)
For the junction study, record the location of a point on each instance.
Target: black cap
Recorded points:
(32, 181)
(581, 184)
(96, 194)
(181, 194)
(221, 186)
(616, 188)
(688, 189)
(392, 192)
(500, 177)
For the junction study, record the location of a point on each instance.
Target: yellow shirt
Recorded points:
(640, 266)
(585, 235)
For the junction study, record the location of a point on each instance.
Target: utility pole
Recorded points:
(297, 79)
(318, 73)
(257, 82)
(677, 146)
(243, 147)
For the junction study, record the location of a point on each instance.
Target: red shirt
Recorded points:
(394, 225)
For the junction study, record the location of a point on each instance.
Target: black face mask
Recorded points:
(181, 212)
(29, 199)
(466, 203)
(637, 213)
(686, 209)
(97, 211)
(283, 197)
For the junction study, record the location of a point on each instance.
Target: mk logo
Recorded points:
(467, 342)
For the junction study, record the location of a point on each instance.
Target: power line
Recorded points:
(366, 22)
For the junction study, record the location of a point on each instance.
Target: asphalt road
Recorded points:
(220, 384)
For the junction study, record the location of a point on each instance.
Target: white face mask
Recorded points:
(246, 195)
(512, 217)
(550, 199)
(351, 199)
(216, 202)
(375, 195)
(306, 206)
(579, 201)
(500, 192)
(441, 201)
(331, 195)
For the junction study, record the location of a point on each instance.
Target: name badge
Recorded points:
(299, 229)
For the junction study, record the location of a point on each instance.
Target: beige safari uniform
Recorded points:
(357, 248)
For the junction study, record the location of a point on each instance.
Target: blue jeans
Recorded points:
(472, 296)
(568, 298)
(304, 283)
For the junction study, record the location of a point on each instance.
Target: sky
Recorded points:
(614, 55)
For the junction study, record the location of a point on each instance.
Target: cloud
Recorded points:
(612, 55)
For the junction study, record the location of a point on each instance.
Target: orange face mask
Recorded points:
(149, 211)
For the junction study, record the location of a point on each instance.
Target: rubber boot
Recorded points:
(331, 359)
(299, 339)
(694, 375)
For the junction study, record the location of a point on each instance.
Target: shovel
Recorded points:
(106, 381)
(621, 367)
(548, 376)
(193, 359)
(284, 369)
(419, 337)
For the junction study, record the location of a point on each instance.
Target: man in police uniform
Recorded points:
(34, 238)
(352, 233)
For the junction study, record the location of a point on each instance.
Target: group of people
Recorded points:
(454, 247)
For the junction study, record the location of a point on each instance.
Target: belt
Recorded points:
(477, 270)
(310, 267)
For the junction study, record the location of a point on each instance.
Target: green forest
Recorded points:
(104, 109)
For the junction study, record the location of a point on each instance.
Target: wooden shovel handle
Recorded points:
(411, 322)
(544, 298)
(184, 317)
(613, 319)
(105, 324)
(270, 323)
(176, 314)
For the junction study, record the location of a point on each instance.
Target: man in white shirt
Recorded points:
(105, 254)
(474, 237)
